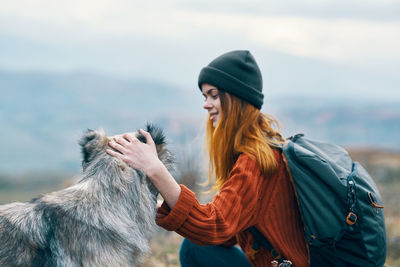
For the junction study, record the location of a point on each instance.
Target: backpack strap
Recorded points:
(261, 241)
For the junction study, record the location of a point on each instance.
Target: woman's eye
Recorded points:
(212, 96)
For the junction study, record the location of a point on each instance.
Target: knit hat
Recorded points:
(235, 72)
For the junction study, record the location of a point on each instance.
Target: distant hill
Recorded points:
(343, 121)
(43, 115)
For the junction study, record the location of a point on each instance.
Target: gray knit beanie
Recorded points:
(235, 72)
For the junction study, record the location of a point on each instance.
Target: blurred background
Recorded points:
(330, 70)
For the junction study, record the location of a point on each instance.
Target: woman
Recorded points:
(249, 173)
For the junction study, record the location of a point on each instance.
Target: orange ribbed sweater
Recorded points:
(246, 199)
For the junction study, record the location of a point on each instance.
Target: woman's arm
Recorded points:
(235, 208)
(143, 156)
(165, 183)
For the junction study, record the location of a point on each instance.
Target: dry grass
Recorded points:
(164, 247)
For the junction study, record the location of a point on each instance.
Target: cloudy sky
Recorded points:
(316, 47)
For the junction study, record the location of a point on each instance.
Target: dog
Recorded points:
(105, 219)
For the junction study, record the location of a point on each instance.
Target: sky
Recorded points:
(319, 48)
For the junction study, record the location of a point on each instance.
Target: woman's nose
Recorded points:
(207, 104)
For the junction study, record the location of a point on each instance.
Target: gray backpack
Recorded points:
(339, 202)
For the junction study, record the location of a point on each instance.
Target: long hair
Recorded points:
(242, 129)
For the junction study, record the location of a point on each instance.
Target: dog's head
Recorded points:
(95, 142)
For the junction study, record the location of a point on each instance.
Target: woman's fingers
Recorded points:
(130, 137)
(117, 146)
(113, 153)
(135, 153)
(121, 141)
(147, 135)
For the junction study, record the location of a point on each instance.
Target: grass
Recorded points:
(164, 250)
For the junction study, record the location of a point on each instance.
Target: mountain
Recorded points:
(43, 115)
(347, 122)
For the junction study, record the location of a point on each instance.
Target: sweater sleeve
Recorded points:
(232, 210)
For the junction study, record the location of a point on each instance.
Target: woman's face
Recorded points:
(212, 102)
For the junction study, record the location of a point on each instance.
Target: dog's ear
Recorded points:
(91, 143)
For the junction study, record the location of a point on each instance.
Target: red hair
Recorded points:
(242, 128)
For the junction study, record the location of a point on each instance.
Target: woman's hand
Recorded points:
(142, 156)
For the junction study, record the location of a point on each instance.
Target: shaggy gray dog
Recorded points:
(105, 219)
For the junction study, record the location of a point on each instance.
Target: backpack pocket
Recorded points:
(371, 224)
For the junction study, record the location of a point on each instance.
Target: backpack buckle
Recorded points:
(285, 263)
(351, 218)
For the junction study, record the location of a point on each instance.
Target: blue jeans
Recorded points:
(192, 255)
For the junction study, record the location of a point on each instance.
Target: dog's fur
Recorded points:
(105, 219)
